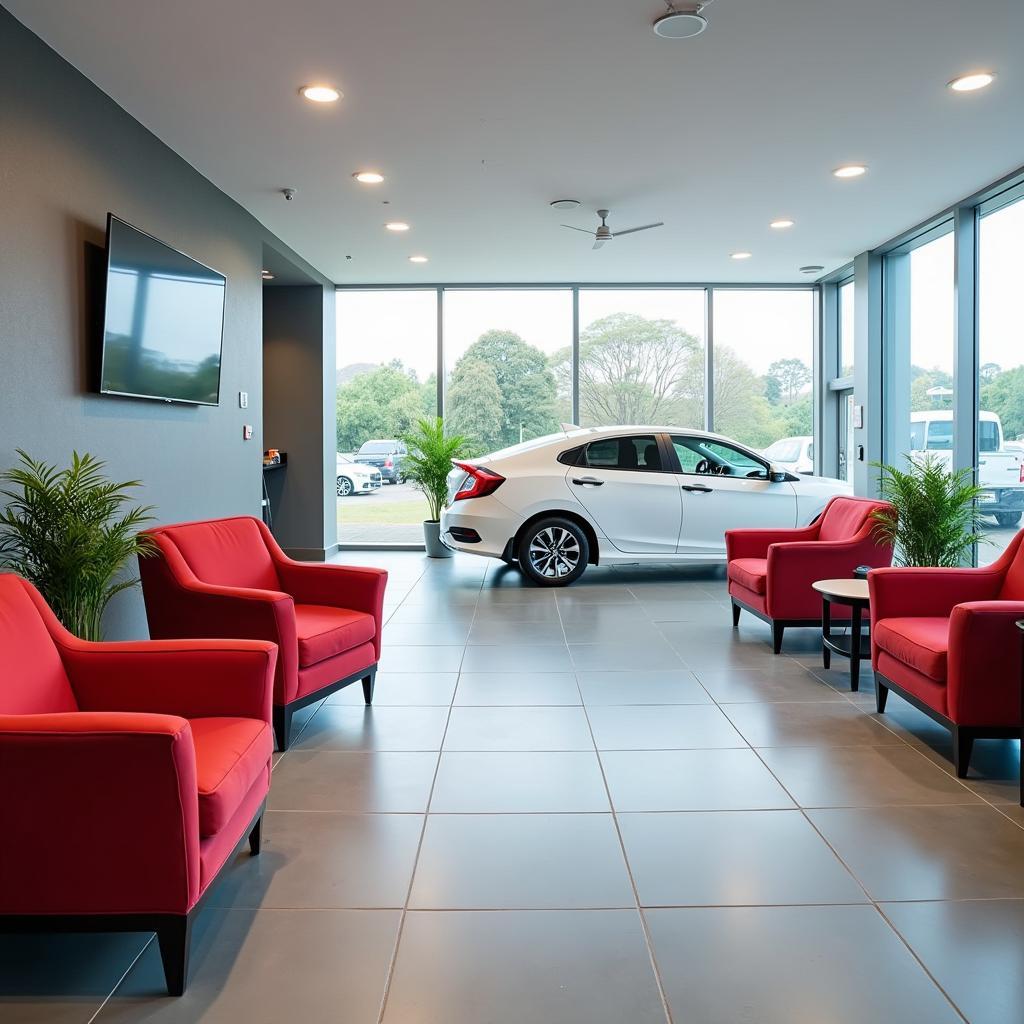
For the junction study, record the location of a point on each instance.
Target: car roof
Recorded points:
(583, 433)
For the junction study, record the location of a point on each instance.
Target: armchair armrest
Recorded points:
(190, 678)
(984, 670)
(927, 592)
(793, 567)
(755, 543)
(100, 814)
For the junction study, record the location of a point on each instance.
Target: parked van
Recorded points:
(1000, 468)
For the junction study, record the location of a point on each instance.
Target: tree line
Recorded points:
(632, 370)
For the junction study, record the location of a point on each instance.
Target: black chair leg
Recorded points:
(174, 936)
(282, 725)
(881, 695)
(735, 614)
(368, 683)
(777, 630)
(963, 744)
(256, 837)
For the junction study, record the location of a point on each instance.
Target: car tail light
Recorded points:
(481, 482)
(388, 463)
(1022, 472)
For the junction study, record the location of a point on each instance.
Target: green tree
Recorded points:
(634, 370)
(788, 378)
(474, 403)
(1004, 395)
(922, 381)
(384, 402)
(526, 386)
(741, 410)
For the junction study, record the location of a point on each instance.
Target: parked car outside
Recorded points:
(795, 454)
(1000, 465)
(620, 495)
(386, 456)
(356, 479)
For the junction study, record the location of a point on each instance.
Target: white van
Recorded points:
(1000, 469)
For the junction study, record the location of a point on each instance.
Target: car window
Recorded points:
(940, 435)
(988, 436)
(703, 456)
(639, 453)
(377, 448)
(916, 437)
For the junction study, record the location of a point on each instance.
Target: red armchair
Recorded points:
(130, 772)
(944, 640)
(229, 578)
(771, 571)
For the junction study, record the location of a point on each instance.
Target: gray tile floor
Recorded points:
(593, 805)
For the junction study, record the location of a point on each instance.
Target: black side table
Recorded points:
(854, 594)
(1020, 626)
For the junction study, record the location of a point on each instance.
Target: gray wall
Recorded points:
(298, 369)
(68, 154)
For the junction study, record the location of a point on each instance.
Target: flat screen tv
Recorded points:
(163, 321)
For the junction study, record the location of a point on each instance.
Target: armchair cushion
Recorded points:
(325, 631)
(922, 643)
(751, 573)
(844, 518)
(231, 754)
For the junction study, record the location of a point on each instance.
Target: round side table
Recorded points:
(854, 594)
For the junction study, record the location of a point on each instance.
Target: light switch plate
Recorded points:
(247, 432)
(243, 399)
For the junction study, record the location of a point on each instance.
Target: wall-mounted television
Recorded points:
(163, 321)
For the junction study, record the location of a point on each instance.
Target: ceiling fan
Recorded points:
(605, 234)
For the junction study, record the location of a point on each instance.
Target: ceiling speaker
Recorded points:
(680, 24)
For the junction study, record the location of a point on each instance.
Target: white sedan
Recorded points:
(354, 478)
(620, 495)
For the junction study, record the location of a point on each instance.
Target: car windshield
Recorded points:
(343, 458)
(378, 447)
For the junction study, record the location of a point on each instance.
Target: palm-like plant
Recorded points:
(67, 531)
(429, 461)
(933, 518)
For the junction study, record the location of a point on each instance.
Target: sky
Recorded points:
(761, 326)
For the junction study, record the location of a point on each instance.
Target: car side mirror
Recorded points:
(778, 476)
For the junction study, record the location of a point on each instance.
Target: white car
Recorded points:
(356, 479)
(795, 454)
(620, 495)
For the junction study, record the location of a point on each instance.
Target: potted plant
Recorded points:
(429, 462)
(68, 532)
(933, 517)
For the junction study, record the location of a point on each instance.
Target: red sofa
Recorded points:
(129, 773)
(771, 571)
(944, 640)
(229, 578)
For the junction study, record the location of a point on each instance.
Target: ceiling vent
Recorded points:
(680, 22)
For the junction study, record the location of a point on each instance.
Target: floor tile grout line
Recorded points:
(389, 976)
(645, 931)
(120, 980)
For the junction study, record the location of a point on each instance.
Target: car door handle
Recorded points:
(698, 488)
(587, 481)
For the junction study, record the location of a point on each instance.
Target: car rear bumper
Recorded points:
(1001, 499)
(490, 521)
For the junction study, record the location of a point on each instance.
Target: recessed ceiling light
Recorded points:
(368, 177)
(782, 222)
(397, 225)
(740, 255)
(850, 171)
(812, 268)
(975, 80)
(417, 259)
(266, 275)
(565, 204)
(321, 93)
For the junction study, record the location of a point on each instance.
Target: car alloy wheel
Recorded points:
(344, 487)
(554, 552)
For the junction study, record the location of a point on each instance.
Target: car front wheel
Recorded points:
(1008, 518)
(344, 487)
(554, 552)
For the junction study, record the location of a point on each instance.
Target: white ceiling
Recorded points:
(480, 112)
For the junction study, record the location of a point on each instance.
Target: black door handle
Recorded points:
(584, 481)
(699, 488)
